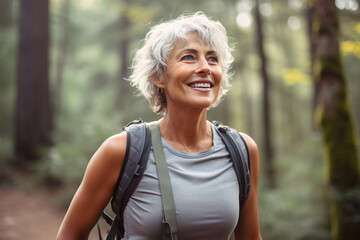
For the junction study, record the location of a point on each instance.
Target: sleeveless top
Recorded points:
(206, 196)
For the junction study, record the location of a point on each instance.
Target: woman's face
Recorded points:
(193, 75)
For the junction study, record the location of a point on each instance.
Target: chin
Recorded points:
(203, 104)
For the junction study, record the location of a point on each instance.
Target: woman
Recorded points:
(182, 70)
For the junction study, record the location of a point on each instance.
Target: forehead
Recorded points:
(192, 41)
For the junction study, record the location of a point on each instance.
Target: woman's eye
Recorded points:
(187, 58)
(213, 59)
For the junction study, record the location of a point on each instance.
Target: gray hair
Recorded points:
(150, 60)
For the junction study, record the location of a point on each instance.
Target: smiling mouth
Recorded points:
(200, 85)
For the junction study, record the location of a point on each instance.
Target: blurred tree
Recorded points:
(309, 14)
(335, 122)
(61, 53)
(123, 53)
(7, 62)
(33, 121)
(266, 118)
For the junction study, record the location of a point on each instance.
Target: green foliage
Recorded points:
(76, 141)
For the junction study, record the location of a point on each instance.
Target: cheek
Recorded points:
(218, 75)
(178, 75)
(218, 78)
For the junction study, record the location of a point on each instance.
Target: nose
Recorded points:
(203, 67)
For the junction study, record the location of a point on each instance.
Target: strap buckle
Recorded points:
(136, 121)
(221, 127)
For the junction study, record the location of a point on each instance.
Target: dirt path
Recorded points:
(29, 215)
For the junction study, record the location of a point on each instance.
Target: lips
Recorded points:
(200, 85)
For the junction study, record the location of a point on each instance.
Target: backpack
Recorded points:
(137, 153)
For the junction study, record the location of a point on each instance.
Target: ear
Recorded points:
(160, 82)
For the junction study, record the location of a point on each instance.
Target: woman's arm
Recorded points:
(95, 189)
(248, 225)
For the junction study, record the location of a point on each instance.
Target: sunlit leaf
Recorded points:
(357, 27)
(295, 76)
(351, 48)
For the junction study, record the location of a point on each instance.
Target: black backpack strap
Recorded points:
(108, 219)
(113, 233)
(239, 154)
(137, 154)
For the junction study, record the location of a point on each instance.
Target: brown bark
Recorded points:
(123, 86)
(309, 14)
(33, 111)
(267, 146)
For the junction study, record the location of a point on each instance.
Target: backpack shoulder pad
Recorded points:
(134, 164)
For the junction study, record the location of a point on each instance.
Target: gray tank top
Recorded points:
(206, 195)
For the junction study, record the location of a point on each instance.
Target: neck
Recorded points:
(187, 130)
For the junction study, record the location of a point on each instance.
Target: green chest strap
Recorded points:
(169, 221)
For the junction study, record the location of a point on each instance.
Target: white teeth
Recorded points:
(200, 85)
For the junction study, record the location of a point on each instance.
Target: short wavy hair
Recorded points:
(150, 60)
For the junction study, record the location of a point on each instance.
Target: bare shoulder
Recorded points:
(254, 157)
(112, 150)
(115, 143)
(251, 144)
(106, 163)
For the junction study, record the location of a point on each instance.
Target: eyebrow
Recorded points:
(195, 51)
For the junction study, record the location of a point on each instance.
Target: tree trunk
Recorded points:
(334, 120)
(248, 108)
(309, 14)
(62, 54)
(123, 86)
(33, 111)
(267, 146)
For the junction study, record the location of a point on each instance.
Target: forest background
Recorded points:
(90, 47)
